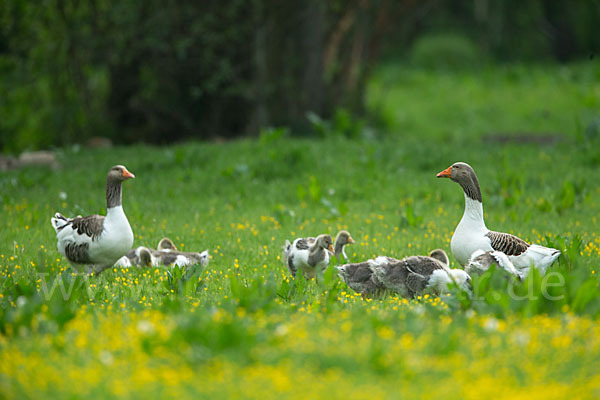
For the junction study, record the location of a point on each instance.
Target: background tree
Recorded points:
(171, 70)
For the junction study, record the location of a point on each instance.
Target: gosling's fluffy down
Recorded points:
(310, 255)
(167, 254)
(408, 277)
(480, 261)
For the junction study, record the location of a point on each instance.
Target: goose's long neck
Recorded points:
(473, 213)
(470, 186)
(339, 249)
(113, 193)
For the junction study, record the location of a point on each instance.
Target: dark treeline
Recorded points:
(159, 71)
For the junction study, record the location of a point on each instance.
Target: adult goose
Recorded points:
(471, 234)
(418, 274)
(94, 243)
(310, 255)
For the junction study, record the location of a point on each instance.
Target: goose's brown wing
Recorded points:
(507, 243)
(91, 226)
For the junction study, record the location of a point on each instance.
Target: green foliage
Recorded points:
(255, 294)
(184, 281)
(567, 196)
(558, 291)
(341, 124)
(159, 72)
(483, 106)
(445, 52)
(273, 135)
(409, 218)
(44, 310)
(571, 249)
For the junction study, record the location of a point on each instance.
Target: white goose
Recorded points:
(94, 243)
(308, 254)
(471, 234)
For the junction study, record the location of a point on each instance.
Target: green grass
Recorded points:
(241, 328)
(501, 99)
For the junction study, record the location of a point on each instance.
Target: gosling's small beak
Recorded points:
(330, 248)
(127, 174)
(350, 240)
(447, 173)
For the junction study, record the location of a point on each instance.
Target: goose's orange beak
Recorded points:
(447, 173)
(331, 248)
(127, 174)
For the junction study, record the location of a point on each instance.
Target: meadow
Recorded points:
(242, 328)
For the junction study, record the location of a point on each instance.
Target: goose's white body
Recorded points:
(539, 256)
(112, 243)
(470, 232)
(470, 236)
(116, 237)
